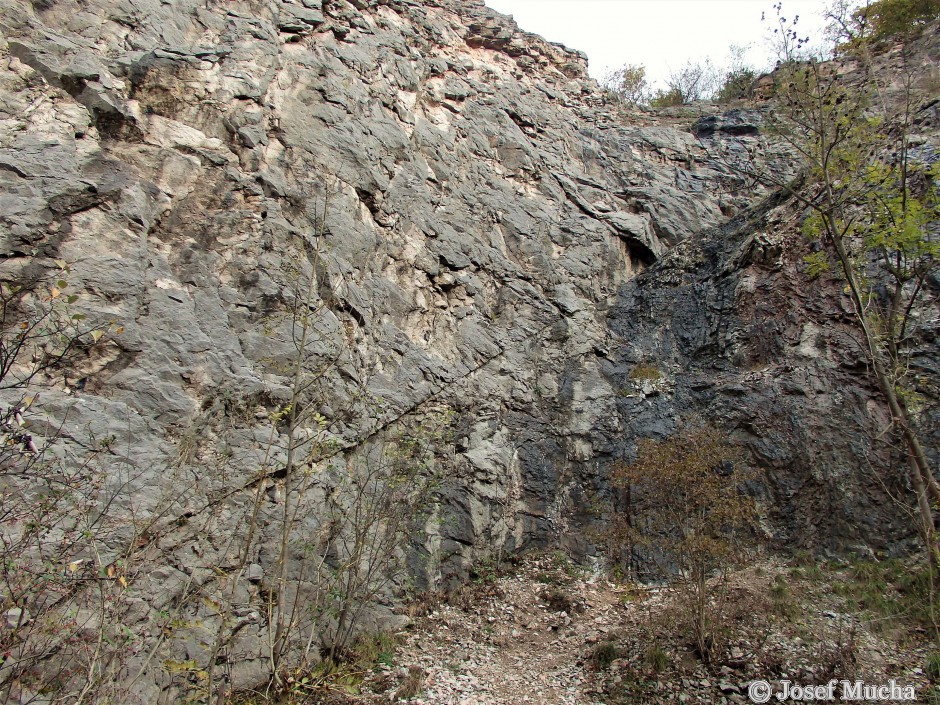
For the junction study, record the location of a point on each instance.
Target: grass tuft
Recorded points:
(604, 654)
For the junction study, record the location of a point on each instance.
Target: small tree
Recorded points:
(304, 427)
(846, 24)
(667, 98)
(629, 84)
(695, 81)
(851, 23)
(686, 511)
(375, 506)
(873, 207)
(892, 18)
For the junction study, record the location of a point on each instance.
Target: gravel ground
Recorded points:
(534, 635)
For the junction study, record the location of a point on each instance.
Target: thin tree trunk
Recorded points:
(282, 629)
(925, 485)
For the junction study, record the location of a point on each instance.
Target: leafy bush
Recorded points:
(738, 78)
(870, 204)
(485, 571)
(65, 563)
(695, 81)
(851, 24)
(667, 99)
(737, 84)
(628, 84)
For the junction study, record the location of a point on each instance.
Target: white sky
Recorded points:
(661, 34)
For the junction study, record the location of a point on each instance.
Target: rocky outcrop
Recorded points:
(483, 210)
(485, 225)
(738, 335)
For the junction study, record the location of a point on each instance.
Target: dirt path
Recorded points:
(517, 640)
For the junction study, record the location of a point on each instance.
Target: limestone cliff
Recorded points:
(487, 226)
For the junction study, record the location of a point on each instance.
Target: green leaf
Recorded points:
(816, 263)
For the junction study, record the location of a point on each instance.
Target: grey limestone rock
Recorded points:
(480, 231)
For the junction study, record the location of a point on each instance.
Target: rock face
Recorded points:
(738, 336)
(491, 238)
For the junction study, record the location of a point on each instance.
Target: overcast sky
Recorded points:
(661, 34)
